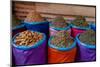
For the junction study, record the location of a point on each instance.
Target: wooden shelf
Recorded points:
(50, 10)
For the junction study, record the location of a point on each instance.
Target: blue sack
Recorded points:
(38, 26)
(93, 26)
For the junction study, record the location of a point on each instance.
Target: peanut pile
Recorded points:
(34, 17)
(28, 38)
(88, 37)
(62, 39)
(80, 21)
(59, 22)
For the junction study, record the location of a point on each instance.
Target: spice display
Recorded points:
(28, 38)
(88, 37)
(62, 39)
(50, 33)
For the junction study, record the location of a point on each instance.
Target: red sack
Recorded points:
(60, 55)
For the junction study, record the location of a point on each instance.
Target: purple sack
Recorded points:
(35, 54)
(86, 52)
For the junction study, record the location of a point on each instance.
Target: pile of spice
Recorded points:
(34, 17)
(88, 37)
(80, 21)
(62, 39)
(59, 22)
(28, 38)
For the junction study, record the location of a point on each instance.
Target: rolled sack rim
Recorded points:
(33, 23)
(80, 27)
(92, 23)
(84, 44)
(29, 47)
(93, 26)
(62, 49)
(20, 26)
(57, 28)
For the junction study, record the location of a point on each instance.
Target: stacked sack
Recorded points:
(29, 43)
(58, 24)
(27, 47)
(34, 21)
(86, 43)
(79, 25)
(62, 48)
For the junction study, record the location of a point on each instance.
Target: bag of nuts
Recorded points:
(28, 46)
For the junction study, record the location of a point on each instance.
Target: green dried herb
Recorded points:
(88, 37)
(62, 39)
(59, 22)
(80, 21)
